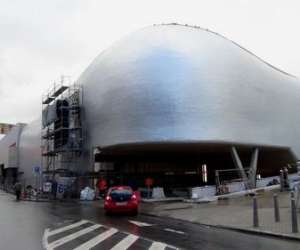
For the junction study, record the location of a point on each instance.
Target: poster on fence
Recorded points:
(47, 187)
(63, 184)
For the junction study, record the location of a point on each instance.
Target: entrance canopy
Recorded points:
(185, 160)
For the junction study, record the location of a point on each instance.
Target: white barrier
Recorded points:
(158, 193)
(235, 186)
(87, 194)
(203, 192)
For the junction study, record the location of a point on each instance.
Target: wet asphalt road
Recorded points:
(25, 225)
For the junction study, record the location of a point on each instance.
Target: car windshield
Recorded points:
(121, 194)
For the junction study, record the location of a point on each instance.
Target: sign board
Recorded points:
(63, 183)
(204, 173)
(36, 169)
(61, 187)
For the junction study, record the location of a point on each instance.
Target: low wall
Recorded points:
(234, 187)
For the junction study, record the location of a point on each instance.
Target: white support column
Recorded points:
(253, 168)
(238, 164)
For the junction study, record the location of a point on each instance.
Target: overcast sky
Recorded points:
(43, 39)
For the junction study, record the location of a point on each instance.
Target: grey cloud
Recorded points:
(39, 40)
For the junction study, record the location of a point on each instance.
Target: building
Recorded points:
(5, 128)
(9, 154)
(171, 100)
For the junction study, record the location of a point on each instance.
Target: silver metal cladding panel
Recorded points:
(172, 83)
(11, 138)
(30, 150)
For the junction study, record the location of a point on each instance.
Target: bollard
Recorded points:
(294, 216)
(255, 213)
(276, 208)
(292, 195)
(297, 190)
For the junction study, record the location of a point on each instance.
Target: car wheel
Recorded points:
(135, 212)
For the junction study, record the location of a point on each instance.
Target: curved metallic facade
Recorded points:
(30, 150)
(168, 85)
(173, 83)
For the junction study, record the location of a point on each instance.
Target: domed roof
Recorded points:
(175, 83)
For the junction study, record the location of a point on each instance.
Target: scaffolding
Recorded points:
(62, 136)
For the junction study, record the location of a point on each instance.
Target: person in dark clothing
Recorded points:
(54, 188)
(18, 189)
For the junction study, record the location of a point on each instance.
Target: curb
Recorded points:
(50, 201)
(30, 200)
(241, 230)
(256, 232)
(22, 199)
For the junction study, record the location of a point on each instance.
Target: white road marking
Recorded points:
(126, 242)
(158, 246)
(72, 236)
(96, 240)
(174, 231)
(140, 224)
(59, 230)
(45, 239)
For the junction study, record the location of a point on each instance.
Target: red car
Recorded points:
(121, 199)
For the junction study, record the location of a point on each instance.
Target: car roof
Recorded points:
(120, 188)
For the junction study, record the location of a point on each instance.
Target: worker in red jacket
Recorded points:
(102, 186)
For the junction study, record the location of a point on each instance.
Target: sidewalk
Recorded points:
(233, 213)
